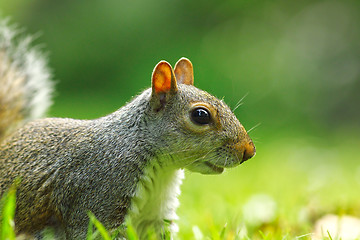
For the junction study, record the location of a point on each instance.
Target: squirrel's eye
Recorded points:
(200, 116)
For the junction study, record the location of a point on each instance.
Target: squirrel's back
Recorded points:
(25, 81)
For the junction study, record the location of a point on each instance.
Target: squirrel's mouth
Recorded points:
(205, 168)
(215, 168)
(226, 156)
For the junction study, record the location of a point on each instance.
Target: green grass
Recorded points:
(277, 195)
(7, 206)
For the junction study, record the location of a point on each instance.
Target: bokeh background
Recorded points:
(297, 63)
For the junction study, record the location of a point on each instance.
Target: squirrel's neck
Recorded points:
(129, 125)
(130, 119)
(154, 185)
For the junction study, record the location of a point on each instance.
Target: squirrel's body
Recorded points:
(127, 164)
(94, 160)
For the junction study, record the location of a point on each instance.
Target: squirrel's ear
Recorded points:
(163, 78)
(184, 71)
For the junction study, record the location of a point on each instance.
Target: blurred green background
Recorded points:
(297, 62)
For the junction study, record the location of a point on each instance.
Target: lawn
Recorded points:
(279, 194)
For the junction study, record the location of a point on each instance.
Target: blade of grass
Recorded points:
(8, 212)
(223, 230)
(89, 235)
(131, 233)
(103, 232)
(329, 235)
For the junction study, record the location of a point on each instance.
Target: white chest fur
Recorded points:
(154, 205)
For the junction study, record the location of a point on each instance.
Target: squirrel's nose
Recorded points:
(245, 149)
(249, 150)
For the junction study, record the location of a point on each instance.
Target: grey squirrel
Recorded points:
(128, 164)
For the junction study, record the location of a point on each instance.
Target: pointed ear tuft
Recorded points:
(184, 71)
(163, 78)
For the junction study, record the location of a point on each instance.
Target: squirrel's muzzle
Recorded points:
(249, 150)
(246, 149)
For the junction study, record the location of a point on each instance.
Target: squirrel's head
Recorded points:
(195, 129)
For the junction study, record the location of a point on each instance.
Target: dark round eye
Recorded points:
(200, 116)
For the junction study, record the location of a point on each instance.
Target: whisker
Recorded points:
(219, 158)
(184, 156)
(254, 127)
(237, 106)
(201, 157)
(237, 158)
(239, 103)
(256, 140)
(179, 151)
